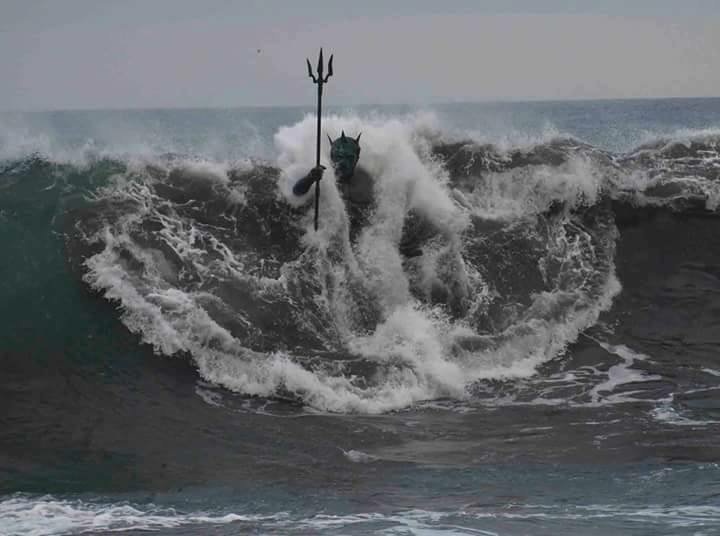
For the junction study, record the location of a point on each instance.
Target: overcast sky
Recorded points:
(60, 54)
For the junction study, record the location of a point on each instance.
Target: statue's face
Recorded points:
(344, 153)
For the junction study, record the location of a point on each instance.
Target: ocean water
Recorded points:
(181, 353)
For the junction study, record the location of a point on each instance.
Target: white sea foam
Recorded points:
(666, 413)
(531, 190)
(679, 178)
(210, 397)
(591, 386)
(358, 456)
(506, 140)
(491, 521)
(415, 345)
(680, 135)
(47, 516)
(621, 374)
(204, 170)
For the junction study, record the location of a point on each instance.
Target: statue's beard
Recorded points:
(344, 171)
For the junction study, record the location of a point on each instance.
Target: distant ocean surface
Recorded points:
(182, 353)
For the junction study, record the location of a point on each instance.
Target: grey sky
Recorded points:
(57, 54)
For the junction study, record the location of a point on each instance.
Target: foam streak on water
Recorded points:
(46, 516)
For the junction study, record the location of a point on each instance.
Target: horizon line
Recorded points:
(439, 102)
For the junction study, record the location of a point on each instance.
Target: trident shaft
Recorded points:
(320, 81)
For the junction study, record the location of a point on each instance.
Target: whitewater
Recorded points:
(557, 326)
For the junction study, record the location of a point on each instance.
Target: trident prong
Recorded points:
(330, 72)
(319, 79)
(320, 66)
(310, 73)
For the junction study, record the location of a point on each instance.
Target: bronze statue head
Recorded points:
(344, 153)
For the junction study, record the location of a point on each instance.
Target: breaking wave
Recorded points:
(480, 261)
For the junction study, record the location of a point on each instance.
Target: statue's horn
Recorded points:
(358, 138)
(342, 135)
(329, 138)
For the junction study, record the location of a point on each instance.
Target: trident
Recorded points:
(319, 80)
